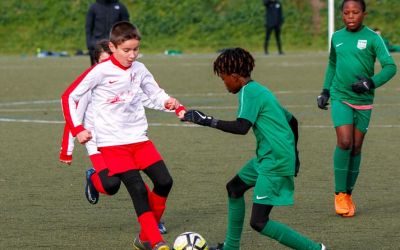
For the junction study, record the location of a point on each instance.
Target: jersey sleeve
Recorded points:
(330, 69)
(67, 145)
(148, 103)
(248, 106)
(152, 90)
(71, 97)
(388, 65)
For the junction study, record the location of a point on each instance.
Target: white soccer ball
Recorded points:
(190, 241)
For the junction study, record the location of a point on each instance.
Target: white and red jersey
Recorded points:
(116, 102)
(84, 110)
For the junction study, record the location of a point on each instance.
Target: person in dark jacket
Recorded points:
(273, 22)
(101, 16)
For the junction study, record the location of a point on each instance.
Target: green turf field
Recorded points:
(43, 204)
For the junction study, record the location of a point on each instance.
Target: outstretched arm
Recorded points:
(240, 126)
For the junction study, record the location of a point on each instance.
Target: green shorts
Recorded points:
(343, 114)
(268, 190)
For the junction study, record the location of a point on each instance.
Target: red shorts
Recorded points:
(98, 162)
(136, 156)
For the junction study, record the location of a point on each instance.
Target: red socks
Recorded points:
(98, 164)
(149, 229)
(157, 204)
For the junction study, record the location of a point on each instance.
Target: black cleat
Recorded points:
(92, 195)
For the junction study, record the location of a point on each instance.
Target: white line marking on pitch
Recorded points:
(171, 124)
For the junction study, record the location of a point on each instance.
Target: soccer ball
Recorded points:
(190, 241)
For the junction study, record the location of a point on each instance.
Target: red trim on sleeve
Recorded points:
(179, 109)
(65, 158)
(65, 142)
(77, 130)
(65, 99)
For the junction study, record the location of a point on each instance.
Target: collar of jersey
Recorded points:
(115, 62)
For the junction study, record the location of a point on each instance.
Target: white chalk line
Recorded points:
(29, 110)
(289, 106)
(37, 102)
(183, 124)
(210, 94)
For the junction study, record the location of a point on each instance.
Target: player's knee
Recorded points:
(258, 224)
(231, 189)
(110, 184)
(236, 187)
(345, 143)
(163, 186)
(112, 187)
(160, 177)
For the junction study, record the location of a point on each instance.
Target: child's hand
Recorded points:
(180, 112)
(84, 136)
(200, 118)
(363, 85)
(172, 104)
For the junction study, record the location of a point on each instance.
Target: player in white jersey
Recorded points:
(120, 127)
(102, 183)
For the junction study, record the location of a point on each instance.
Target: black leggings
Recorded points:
(268, 31)
(259, 213)
(158, 174)
(110, 184)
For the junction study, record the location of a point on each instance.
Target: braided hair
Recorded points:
(234, 60)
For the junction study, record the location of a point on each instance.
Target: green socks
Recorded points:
(288, 237)
(236, 213)
(346, 168)
(275, 230)
(341, 160)
(354, 169)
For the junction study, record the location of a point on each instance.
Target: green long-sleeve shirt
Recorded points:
(352, 55)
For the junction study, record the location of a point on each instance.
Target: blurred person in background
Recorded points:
(273, 22)
(101, 16)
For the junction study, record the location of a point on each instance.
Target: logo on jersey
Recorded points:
(362, 44)
(112, 81)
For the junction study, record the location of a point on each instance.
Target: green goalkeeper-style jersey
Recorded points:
(275, 140)
(352, 55)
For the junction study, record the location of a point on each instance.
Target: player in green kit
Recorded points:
(271, 172)
(350, 82)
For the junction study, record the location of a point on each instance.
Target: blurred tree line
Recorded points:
(189, 25)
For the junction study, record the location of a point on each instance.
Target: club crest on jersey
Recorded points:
(362, 44)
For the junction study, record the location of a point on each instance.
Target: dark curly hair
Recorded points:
(234, 60)
(361, 2)
(101, 46)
